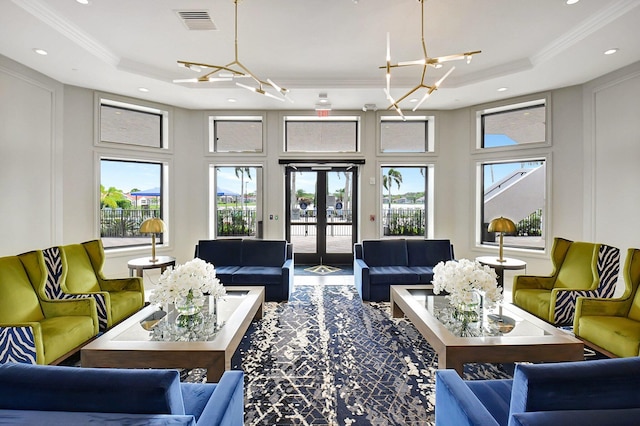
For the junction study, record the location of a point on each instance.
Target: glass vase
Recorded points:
(469, 313)
(187, 305)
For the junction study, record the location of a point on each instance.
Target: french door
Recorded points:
(322, 214)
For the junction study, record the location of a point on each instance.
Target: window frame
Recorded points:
(536, 151)
(212, 216)
(165, 112)
(429, 121)
(429, 197)
(247, 116)
(510, 106)
(356, 119)
(165, 167)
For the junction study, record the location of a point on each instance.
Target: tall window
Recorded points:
(133, 188)
(130, 192)
(237, 203)
(512, 179)
(405, 200)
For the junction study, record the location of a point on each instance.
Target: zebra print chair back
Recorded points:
(53, 289)
(608, 267)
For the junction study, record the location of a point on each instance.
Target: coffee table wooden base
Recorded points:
(453, 351)
(214, 355)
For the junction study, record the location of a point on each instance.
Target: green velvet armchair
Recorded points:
(613, 325)
(32, 329)
(580, 269)
(82, 275)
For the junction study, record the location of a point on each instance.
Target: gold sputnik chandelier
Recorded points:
(424, 63)
(233, 70)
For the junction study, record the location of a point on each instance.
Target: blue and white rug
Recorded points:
(326, 358)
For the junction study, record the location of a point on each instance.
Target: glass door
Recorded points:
(322, 216)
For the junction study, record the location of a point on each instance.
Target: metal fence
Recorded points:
(408, 222)
(124, 223)
(121, 223)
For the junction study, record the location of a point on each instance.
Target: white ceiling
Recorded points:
(322, 46)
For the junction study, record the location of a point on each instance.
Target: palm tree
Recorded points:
(110, 197)
(240, 172)
(392, 176)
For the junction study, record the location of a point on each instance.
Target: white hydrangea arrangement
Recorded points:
(191, 280)
(461, 278)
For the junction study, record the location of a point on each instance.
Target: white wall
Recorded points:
(49, 178)
(30, 159)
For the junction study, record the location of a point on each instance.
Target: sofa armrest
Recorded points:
(456, 404)
(361, 278)
(598, 384)
(71, 307)
(22, 342)
(122, 284)
(602, 306)
(533, 282)
(226, 405)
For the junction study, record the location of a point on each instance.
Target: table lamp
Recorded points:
(503, 226)
(153, 226)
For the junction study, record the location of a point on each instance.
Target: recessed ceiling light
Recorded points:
(611, 51)
(413, 100)
(143, 89)
(232, 100)
(502, 89)
(83, 1)
(41, 51)
(572, 1)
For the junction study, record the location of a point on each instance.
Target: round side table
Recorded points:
(508, 264)
(142, 263)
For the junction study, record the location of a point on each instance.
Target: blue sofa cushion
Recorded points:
(392, 275)
(225, 273)
(55, 388)
(620, 417)
(263, 253)
(428, 252)
(385, 252)
(570, 386)
(494, 395)
(70, 418)
(263, 275)
(425, 273)
(223, 252)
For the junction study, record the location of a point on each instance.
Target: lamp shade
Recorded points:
(502, 224)
(153, 225)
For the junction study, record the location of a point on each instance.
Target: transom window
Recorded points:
(235, 134)
(308, 134)
(519, 124)
(409, 135)
(129, 124)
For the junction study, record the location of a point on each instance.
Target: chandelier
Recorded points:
(233, 70)
(423, 63)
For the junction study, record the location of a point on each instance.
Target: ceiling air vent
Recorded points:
(196, 19)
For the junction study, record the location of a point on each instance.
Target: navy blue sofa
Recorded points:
(241, 262)
(379, 264)
(55, 395)
(599, 392)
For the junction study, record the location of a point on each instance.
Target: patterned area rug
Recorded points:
(326, 358)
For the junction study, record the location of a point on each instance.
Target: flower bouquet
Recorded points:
(464, 280)
(186, 285)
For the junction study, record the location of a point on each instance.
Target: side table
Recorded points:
(508, 264)
(142, 263)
